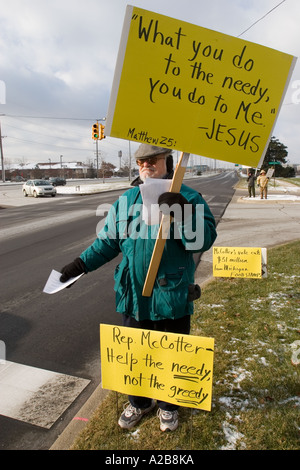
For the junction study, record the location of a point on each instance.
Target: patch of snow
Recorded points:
(232, 436)
(263, 361)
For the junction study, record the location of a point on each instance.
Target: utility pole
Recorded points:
(129, 161)
(97, 156)
(120, 157)
(98, 134)
(2, 158)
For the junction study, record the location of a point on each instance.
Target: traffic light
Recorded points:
(95, 131)
(102, 136)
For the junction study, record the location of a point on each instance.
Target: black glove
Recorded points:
(72, 270)
(174, 198)
(194, 292)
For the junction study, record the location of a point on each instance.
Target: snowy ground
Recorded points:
(283, 191)
(79, 189)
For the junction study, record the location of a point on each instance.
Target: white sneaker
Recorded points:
(131, 415)
(168, 420)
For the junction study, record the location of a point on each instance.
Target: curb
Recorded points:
(90, 191)
(78, 423)
(245, 200)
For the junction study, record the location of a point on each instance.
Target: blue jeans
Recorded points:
(181, 325)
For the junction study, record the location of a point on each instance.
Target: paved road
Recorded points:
(60, 332)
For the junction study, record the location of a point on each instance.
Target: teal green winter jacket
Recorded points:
(125, 231)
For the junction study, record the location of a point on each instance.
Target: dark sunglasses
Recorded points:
(150, 160)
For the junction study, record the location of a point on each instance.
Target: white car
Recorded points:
(38, 188)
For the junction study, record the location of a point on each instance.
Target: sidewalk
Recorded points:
(246, 222)
(254, 223)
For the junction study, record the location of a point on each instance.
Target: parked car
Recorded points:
(57, 181)
(18, 179)
(38, 188)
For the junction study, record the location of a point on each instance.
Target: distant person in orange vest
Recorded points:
(262, 182)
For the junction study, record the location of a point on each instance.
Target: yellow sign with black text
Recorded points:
(188, 88)
(171, 367)
(242, 262)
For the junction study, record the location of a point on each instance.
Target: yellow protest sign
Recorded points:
(184, 87)
(175, 368)
(242, 262)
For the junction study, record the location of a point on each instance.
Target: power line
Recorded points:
(44, 134)
(52, 117)
(257, 21)
(111, 143)
(50, 145)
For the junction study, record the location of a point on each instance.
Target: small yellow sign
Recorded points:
(171, 367)
(239, 262)
(188, 88)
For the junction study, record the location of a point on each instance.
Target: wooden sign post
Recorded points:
(164, 227)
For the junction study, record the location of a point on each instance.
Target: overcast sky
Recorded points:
(57, 60)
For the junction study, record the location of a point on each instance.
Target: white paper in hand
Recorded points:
(150, 191)
(54, 285)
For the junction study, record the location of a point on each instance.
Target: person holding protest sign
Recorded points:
(170, 306)
(262, 182)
